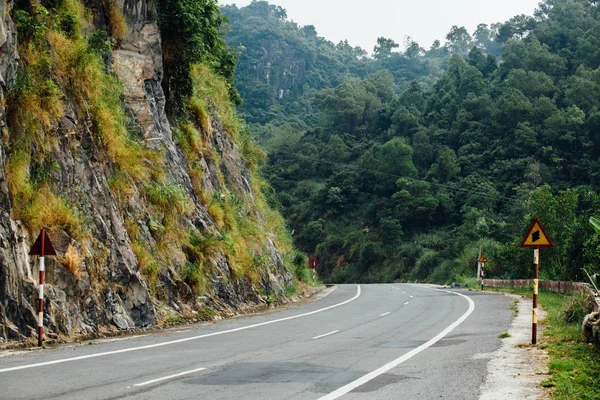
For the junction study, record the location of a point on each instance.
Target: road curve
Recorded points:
(360, 342)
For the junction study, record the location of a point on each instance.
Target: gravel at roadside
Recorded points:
(517, 368)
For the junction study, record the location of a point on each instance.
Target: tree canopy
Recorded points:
(400, 165)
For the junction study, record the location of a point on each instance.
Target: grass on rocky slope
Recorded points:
(58, 64)
(245, 232)
(63, 71)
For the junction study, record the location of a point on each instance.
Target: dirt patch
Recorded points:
(517, 368)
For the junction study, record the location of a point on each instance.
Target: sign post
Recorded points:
(481, 262)
(536, 237)
(312, 264)
(42, 247)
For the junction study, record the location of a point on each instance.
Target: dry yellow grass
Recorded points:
(83, 77)
(118, 26)
(52, 212)
(197, 179)
(202, 117)
(209, 87)
(217, 213)
(18, 179)
(72, 262)
(57, 64)
(147, 262)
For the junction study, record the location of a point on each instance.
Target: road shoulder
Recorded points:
(517, 368)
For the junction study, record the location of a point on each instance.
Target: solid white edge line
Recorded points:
(169, 377)
(384, 314)
(326, 334)
(121, 339)
(151, 346)
(382, 370)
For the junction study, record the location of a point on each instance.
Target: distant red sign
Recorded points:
(312, 262)
(42, 246)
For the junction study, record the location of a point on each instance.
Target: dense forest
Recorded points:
(401, 165)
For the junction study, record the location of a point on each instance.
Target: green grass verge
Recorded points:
(574, 365)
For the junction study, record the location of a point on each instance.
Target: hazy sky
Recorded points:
(363, 21)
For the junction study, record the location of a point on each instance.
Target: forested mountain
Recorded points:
(401, 165)
(281, 64)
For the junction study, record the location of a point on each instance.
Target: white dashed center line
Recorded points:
(327, 334)
(384, 314)
(169, 377)
(393, 364)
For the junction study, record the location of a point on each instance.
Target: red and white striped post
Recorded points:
(41, 301)
(42, 247)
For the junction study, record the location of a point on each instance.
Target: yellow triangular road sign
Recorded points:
(483, 258)
(536, 237)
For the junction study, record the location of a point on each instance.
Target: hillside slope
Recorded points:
(405, 173)
(152, 221)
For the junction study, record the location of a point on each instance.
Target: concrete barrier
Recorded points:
(552, 286)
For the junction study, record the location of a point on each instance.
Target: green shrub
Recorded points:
(196, 276)
(426, 264)
(443, 274)
(192, 33)
(577, 307)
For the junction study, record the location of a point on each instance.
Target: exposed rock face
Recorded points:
(283, 70)
(591, 328)
(591, 322)
(112, 293)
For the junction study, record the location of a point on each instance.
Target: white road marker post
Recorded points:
(479, 263)
(312, 264)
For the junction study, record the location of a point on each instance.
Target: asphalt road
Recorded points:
(359, 342)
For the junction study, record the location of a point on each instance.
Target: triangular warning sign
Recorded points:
(536, 237)
(42, 246)
(483, 258)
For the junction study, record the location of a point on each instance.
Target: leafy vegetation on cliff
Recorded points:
(416, 158)
(191, 32)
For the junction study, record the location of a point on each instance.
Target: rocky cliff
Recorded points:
(157, 222)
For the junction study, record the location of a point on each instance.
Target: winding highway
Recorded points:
(358, 342)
